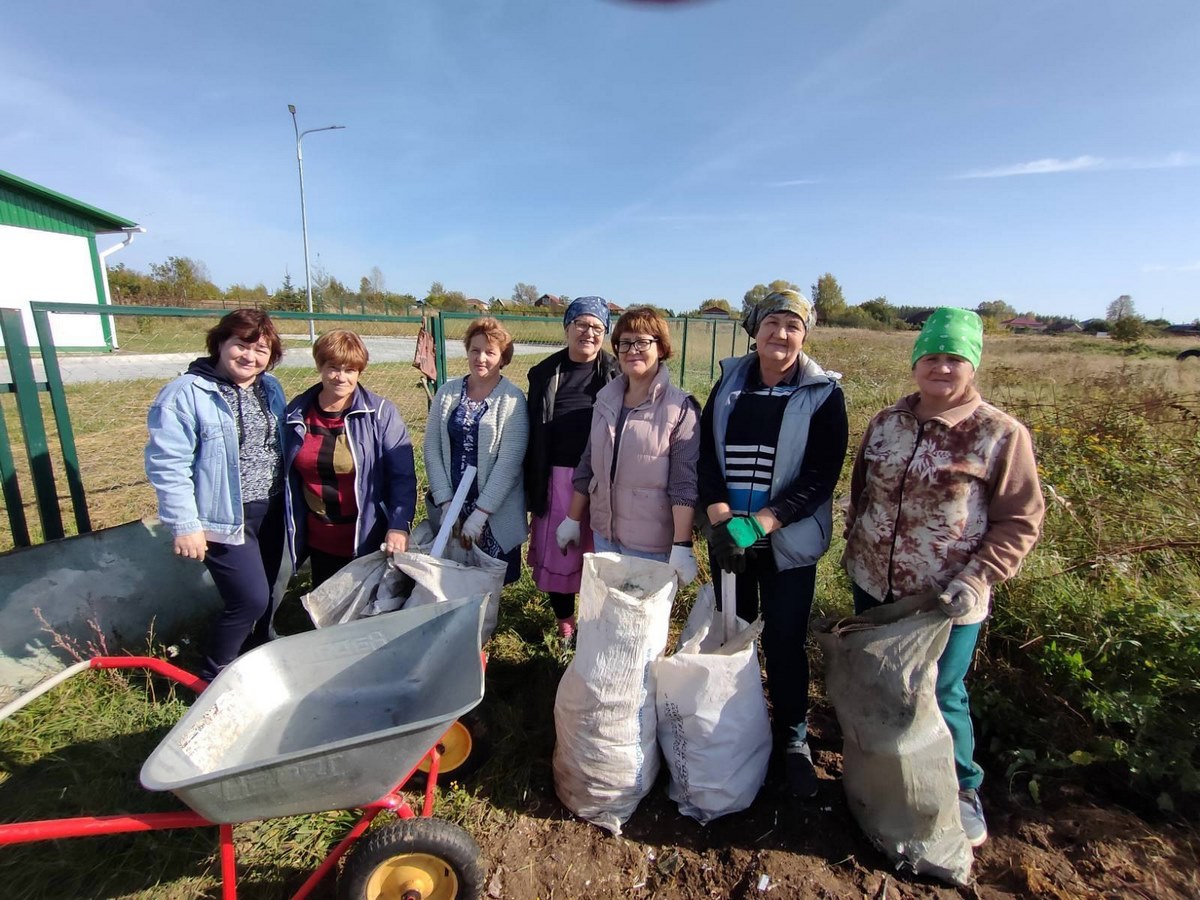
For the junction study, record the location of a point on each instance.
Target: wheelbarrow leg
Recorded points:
(228, 864)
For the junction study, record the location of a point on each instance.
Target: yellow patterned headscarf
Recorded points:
(780, 301)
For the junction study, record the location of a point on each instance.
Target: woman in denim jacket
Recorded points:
(214, 458)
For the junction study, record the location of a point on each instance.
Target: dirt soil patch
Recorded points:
(1070, 846)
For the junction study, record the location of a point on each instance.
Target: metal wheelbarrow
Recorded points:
(338, 718)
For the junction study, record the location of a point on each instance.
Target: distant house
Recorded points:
(1066, 328)
(1025, 324)
(713, 311)
(549, 301)
(917, 319)
(49, 251)
(615, 309)
(477, 304)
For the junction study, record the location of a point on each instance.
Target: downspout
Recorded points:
(104, 254)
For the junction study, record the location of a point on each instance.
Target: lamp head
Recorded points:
(291, 109)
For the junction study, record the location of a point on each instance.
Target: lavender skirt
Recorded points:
(554, 571)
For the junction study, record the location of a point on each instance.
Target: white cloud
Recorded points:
(1086, 163)
(795, 182)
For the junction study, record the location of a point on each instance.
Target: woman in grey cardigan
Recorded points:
(481, 420)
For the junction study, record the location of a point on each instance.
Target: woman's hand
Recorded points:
(567, 533)
(396, 541)
(958, 599)
(191, 546)
(683, 561)
(472, 529)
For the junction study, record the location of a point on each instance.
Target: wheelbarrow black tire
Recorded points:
(428, 859)
(466, 748)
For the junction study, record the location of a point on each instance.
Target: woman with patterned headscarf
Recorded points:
(562, 392)
(944, 498)
(772, 441)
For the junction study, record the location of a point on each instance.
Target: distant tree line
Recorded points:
(183, 281)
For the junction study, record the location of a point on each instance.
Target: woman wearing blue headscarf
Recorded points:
(562, 391)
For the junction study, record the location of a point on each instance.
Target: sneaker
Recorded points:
(566, 631)
(799, 772)
(970, 810)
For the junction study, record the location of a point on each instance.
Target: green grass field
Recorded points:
(1090, 670)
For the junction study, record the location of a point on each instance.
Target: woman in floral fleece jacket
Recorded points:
(944, 498)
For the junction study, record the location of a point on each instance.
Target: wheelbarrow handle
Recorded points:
(158, 666)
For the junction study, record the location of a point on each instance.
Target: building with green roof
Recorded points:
(48, 252)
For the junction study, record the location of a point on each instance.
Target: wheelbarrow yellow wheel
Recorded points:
(463, 748)
(417, 859)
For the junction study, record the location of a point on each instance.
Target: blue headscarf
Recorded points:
(587, 306)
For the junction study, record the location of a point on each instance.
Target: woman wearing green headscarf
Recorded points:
(944, 499)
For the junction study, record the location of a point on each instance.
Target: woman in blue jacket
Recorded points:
(349, 464)
(214, 458)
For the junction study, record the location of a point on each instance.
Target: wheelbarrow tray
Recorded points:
(328, 719)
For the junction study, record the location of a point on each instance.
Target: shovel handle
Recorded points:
(452, 511)
(729, 605)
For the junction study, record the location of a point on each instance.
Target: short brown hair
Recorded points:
(495, 334)
(249, 325)
(342, 348)
(644, 320)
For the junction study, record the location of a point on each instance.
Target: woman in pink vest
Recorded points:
(638, 472)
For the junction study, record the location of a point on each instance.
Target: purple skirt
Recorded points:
(553, 570)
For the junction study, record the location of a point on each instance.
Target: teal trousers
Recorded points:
(951, 691)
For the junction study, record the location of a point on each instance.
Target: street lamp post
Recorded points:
(312, 332)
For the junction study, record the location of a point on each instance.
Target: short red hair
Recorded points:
(249, 325)
(495, 334)
(644, 320)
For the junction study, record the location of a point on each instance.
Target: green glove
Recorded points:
(745, 530)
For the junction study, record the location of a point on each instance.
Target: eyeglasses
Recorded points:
(641, 345)
(584, 328)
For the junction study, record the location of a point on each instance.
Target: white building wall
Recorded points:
(46, 266)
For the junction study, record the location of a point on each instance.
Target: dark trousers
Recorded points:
(325, 565)
(951, 690)
(785, 600)
(245, 577)
(562, 604)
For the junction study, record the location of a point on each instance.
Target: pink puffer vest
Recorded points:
(634, 509)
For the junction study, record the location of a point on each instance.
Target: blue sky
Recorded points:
(933, 151)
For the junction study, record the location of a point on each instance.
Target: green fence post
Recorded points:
(29, 408)
(12, 488)
(683, 354)
(437, 329)
(62, 419)
(712, 355)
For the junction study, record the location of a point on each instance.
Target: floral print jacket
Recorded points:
(955, 497)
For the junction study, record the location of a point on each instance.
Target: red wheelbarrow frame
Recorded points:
(88, 826)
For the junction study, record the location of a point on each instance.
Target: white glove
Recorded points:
(958, 599)
(567, 533)
(472, 529)
(683, 561)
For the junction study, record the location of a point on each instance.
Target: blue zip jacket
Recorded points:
(192, 457)
(385, 477)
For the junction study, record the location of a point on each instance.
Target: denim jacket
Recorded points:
(385, 478)
(192, 457)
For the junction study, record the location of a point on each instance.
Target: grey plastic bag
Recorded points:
(898, 758)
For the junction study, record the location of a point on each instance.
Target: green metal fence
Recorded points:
(73, 425)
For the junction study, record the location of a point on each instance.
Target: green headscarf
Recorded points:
(949, 330)
(780, 301)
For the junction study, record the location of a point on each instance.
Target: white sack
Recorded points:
(375, 584)
(898, 758)
(712, 717)
(348, 593)
(461, 572)
(606, 751)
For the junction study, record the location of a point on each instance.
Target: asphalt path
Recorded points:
(122, 366)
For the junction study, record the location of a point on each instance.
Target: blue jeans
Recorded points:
(952, 698)
(785, 599)
(606, 546)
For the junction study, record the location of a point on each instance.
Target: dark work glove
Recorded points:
(725, 550)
